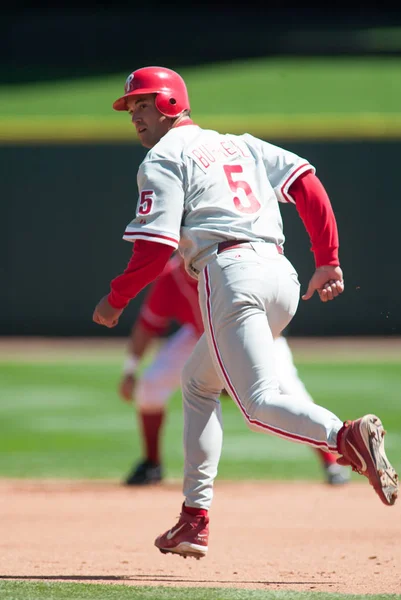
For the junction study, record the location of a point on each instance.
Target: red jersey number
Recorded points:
(250, 204)
(145, 202)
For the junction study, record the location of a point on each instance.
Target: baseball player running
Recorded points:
(215, 197)
(173, 298)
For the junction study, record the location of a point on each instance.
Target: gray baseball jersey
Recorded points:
(198, 187)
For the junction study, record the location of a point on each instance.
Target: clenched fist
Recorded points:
(327, 281)
(105, 314)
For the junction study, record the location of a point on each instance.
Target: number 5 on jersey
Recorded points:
(145, 202)
(249, 204)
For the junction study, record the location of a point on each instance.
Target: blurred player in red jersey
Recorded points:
(173, 298)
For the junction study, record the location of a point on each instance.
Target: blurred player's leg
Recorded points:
(291, 384)
(154, 388)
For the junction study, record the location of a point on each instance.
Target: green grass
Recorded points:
(257, 86)
(305, 97)
(65, 420)
(78, 591)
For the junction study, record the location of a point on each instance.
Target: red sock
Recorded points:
(326, 457)
(151, 425)
(195, 512)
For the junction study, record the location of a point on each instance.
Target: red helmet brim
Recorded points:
(120, 103)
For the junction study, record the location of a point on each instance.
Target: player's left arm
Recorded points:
(294, 181)
(315, 209)
(283, 167)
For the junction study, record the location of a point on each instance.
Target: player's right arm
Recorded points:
(155, 229)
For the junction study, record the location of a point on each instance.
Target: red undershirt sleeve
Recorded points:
(314, 208)
(147, 262)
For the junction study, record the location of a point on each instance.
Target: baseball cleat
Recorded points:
(145, 473)
(189, 537)
(336, 474)
(361, 445)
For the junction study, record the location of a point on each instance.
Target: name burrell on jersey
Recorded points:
(207, 154)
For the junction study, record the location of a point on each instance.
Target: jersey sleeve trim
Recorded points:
(282, 191)
(130, 235)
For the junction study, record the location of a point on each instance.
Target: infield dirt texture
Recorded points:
(302, 536)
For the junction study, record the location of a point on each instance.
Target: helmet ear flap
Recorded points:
(166, 103)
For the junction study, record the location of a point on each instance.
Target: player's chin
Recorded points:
(145, 139)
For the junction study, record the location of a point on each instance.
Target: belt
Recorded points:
(232, 244)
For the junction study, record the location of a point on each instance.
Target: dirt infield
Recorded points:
(264, 535)
(318, 349)
(288, 536)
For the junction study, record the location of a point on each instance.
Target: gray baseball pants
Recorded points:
(247, 297)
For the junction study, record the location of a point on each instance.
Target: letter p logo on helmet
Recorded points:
(128, 84)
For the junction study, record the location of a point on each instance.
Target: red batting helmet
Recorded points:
(169, 87)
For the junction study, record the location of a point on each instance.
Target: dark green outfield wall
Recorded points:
(64, 209)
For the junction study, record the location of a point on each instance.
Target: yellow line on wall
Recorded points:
(89, 129)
